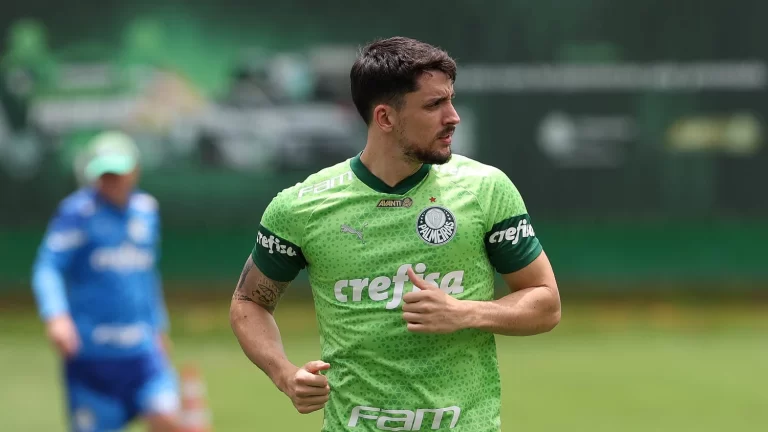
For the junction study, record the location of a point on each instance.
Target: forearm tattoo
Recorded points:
(257, 288)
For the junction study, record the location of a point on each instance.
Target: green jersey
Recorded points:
(455, 224)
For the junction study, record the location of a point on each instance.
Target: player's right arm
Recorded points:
(274, 263)
(64, 237)
(253, 304)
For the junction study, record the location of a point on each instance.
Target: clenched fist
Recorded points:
(307, 388)
(63, 335)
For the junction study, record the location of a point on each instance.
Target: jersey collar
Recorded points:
(375, 183)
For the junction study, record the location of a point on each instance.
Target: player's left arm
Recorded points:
(531, 308)
(158, 307)
(160, 320)
(514, 250)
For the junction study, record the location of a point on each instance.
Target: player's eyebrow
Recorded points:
(440, 99)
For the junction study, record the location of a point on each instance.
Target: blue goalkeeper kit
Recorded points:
(97, 263)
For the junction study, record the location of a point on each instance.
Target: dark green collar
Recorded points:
(375, 183)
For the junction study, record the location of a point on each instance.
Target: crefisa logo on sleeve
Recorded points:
(273, 245)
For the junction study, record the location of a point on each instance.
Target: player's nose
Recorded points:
(451, 116)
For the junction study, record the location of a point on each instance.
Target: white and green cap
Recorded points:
(111, 152)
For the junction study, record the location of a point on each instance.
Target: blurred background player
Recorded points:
(99, 293)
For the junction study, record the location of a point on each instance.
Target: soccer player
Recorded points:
(99, 293)
(401, 243)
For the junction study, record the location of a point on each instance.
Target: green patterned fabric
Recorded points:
(455, 224)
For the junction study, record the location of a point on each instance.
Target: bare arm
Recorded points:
(250, 315)
(531, 308)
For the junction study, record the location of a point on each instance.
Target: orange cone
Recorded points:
(195, 413)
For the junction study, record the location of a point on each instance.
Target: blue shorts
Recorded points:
(107, 394)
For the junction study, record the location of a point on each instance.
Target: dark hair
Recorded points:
(387, 69)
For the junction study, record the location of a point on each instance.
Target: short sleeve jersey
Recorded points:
(455, 224)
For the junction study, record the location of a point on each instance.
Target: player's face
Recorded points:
(427, 119)
(117, 188)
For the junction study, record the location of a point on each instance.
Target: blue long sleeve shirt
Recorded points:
(97, 263)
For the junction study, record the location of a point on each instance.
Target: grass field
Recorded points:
(607, 367)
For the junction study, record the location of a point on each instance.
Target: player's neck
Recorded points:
(119, 200)
(389, 166)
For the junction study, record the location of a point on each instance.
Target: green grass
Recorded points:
(607, 367)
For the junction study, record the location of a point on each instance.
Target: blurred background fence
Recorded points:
(634, 129)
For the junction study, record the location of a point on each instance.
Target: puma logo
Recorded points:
(348, 229)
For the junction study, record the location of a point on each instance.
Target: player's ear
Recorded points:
(383, 117)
